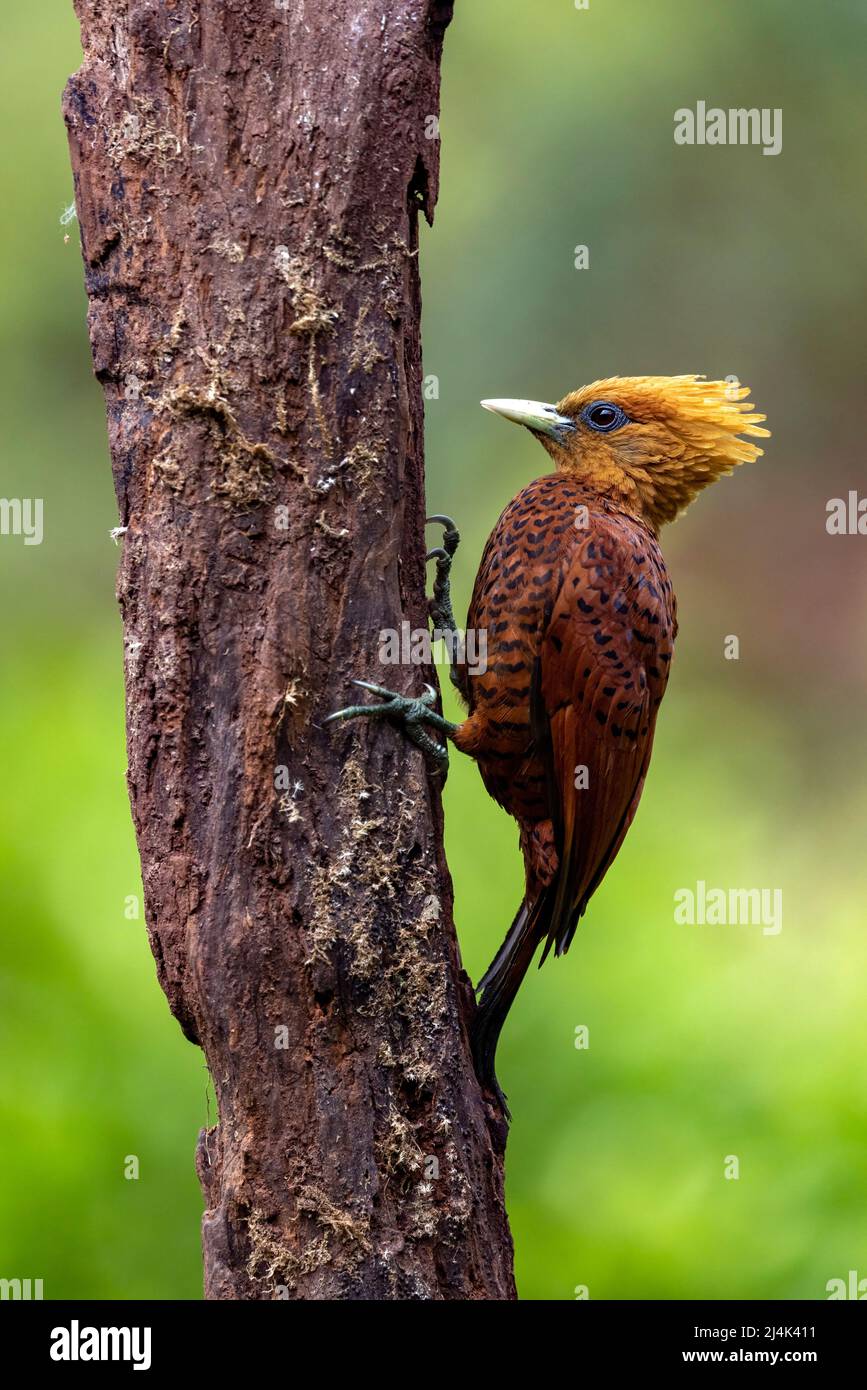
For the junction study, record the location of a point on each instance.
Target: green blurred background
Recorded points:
(704, 1041)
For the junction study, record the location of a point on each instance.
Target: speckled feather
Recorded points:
(579, 614)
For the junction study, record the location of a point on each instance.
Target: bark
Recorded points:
(249, 176)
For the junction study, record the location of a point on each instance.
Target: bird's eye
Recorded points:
(604, 417)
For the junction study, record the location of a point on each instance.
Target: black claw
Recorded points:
(451, 534)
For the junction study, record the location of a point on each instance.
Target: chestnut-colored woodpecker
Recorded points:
(580, 619)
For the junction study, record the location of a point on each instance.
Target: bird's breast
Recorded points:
(572, 595)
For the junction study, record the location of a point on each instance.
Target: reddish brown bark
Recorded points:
(249, 175)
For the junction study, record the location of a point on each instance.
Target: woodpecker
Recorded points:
(577, 607)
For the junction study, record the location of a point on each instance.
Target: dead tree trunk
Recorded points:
(249, 176)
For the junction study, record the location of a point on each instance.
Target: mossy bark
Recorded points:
(249, 176)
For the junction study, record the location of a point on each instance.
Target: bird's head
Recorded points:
(650, 443)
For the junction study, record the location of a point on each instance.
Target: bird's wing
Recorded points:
(600, 676)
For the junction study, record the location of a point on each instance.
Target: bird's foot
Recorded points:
(411, 714)
(451, 534)
(440, 605)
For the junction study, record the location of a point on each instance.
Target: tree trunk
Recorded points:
(249, 176)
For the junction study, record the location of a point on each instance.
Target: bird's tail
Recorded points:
(501, 983)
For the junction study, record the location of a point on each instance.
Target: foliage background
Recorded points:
(705, 1041)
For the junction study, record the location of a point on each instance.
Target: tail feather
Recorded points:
(501, 983)
(501, 958)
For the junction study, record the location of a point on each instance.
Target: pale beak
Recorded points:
(536, 416)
